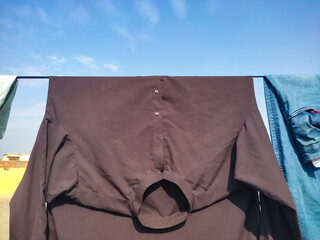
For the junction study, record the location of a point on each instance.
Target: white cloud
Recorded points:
(56, 60)
(36, 110)
(42, 15)
(33, 71)
(6, 23)
(35, 55)
(130, 40)
(124, 33)
(13, 30)
(85, 60)
(26, 71)
(179, 8)
(148, 10)
(106, 5)
(79, 15)
(88, 61)
(211, 5)
(113, 68)
(145, 37)
(21, 11)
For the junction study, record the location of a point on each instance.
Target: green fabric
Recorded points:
(8, 87)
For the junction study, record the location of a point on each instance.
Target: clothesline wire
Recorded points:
(46, 77)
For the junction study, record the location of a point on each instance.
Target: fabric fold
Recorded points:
(257, 166)
(154, 158)
(292, 106)
(8, 88)
(28, 217)
(299, 102)
(51, 171)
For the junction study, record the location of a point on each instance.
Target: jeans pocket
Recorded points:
(306, 130)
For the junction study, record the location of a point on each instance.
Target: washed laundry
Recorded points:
(152, 157)
(8, 88)
(293, 104)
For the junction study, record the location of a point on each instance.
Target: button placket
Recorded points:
(157, 126)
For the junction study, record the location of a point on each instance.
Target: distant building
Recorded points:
(14, 160)
(15, 157)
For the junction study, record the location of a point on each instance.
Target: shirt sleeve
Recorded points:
(257, 166)
(51, 171)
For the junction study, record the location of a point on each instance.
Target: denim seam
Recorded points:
(273, 123)
(316, 158)
(311, 144)
(297, 112)
(300, 110)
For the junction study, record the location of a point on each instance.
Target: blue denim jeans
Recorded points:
(292, 102)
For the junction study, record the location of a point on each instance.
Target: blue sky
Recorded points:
(149, 37)
(142, 37)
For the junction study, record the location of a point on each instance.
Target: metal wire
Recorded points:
(45, 77)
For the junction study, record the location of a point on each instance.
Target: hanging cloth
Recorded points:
(293, 107)
(8, 87)
(152, 158)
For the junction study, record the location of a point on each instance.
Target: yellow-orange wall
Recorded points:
(10, 179)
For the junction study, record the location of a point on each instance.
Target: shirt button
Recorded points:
(156, 91)
(157, 113)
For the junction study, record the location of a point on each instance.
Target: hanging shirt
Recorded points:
(152, 157)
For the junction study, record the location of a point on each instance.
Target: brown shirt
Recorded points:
(152, 157)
